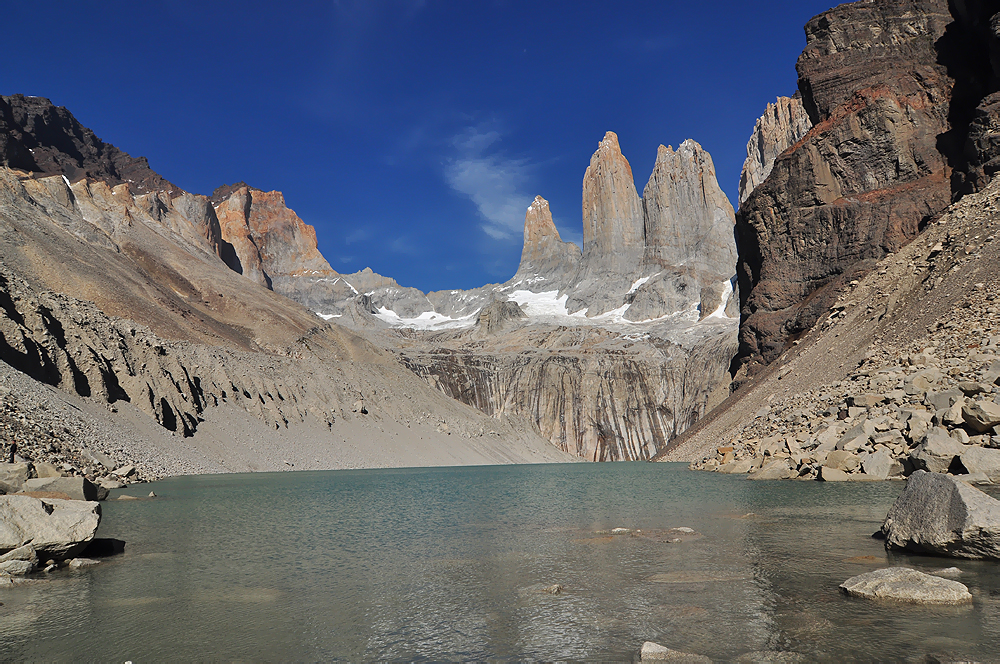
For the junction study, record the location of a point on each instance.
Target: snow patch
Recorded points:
(720, 311)
(428, 320)
(546, 303)
(328, 316)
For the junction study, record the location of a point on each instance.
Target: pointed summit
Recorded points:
(689, 220)
(544, 253)
(612, 211)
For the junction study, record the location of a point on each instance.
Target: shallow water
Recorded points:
(450, 563)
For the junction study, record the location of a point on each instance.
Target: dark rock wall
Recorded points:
(40, 137)
(898, 93)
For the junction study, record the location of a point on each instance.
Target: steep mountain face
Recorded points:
(38, 137)
(544, 252)
(862, 181)
(271, 244)
(784, 122)
(613, 236)
(688, 220)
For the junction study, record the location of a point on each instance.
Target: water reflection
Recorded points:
(458, 564)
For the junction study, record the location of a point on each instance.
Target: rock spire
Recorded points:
(784, 122)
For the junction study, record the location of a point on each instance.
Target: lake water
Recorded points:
(450, 564)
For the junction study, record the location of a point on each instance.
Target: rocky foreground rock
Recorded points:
(902, 584)
(941, 515)
(54, 528)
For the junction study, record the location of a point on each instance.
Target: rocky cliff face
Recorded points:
(688, 220)
(39, 137)
(601, 394)
(544, 252)
(784, 122)
(271, 244)
(612, 212)
(862, 181)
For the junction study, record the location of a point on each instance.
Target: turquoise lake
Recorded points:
(451, 564)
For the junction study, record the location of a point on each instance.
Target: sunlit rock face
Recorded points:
(781, 126)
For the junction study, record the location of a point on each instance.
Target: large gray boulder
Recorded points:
(878, 464)
(937, 451)
(13, 476)
(941, 515)
(76, 488)
(902, 584)
(981, 416)
(982, 460)
(55, 528)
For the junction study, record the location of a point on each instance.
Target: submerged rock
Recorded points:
(902, 584)
(654, 652)
(942, 515)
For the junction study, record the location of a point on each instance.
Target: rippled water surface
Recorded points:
(451, 564)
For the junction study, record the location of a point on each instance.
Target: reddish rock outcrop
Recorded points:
(544, 253)
(862, 181)
(269, 240)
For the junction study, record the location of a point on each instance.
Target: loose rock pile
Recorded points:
(40, 433)
(934, 406)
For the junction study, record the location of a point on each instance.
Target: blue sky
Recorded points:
(412, 134)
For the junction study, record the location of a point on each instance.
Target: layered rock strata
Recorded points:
(781, 126)
(862, 181)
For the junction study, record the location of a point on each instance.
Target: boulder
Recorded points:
(55, 528)
(736, 467)
(937, 451)
(938, 514)
(16, 567)
(878, 464)
(902, 584)
(77, 488)
(773, 470)
(26, 552)
(981, 416)
(842, 460)
(982, 460)
(14, 475)
(943, 400)
(654, 652)
(43, 469)
(828, 474)
(77, 563)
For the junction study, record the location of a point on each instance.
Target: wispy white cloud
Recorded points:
(357, 235)
(492, 180)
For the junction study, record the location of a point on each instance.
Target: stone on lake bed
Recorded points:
(902, 584)
(654, 652)
(939, 514)
(696, 576)
(77, 563)
(948, 572)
